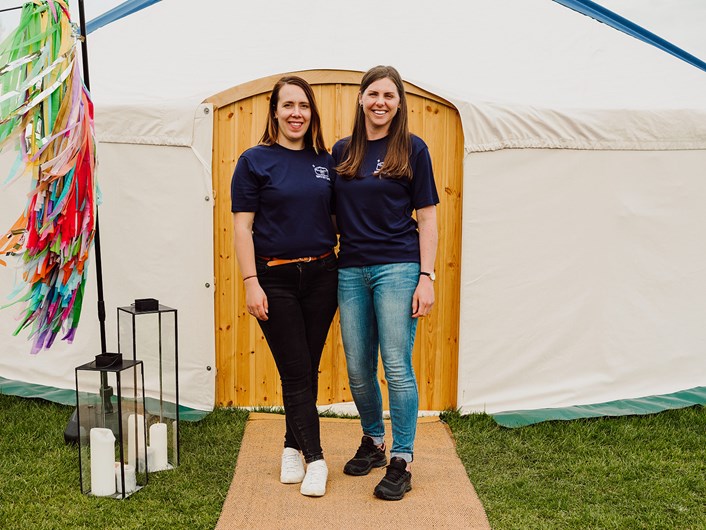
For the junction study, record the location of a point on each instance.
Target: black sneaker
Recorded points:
(397, 481)
(366, 458)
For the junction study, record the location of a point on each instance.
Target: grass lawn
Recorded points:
(39, 482)
(644, 472)
(636, 472)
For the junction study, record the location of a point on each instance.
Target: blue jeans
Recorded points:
(375, 304)
(302, 303)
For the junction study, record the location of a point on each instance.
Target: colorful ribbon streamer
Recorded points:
(46, 109)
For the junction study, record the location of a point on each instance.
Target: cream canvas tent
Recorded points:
(582, 259)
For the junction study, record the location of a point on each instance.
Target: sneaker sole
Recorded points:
(354, 473)
(291, 481)
(388, 497)
(313, 493)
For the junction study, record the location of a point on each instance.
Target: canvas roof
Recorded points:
(533, 72)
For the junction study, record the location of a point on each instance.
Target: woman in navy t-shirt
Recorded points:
(386, 269)
(284, 237)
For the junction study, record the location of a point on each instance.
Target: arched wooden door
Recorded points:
(246, 374)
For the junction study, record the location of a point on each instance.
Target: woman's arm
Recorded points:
(423, 298)
(255, 297)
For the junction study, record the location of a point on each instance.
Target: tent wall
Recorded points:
(246, 372)
(155, 223)
(583, 277)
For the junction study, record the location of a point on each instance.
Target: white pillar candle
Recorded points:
(130, 478)
(102, 462)
(150, 460)
(158, 443)
(136, 441)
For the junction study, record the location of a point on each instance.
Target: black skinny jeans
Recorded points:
(302, 300)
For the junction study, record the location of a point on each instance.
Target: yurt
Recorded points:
(569, 157)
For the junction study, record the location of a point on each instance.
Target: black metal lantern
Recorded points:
(110, 408)
(148, 330)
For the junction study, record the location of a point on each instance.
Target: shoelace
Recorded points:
(317, 473)
(290, 462)
(394, 473)
(366, 449)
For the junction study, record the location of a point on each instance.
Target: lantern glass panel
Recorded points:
(151, 336)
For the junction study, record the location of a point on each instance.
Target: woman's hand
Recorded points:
(423, 298)
(256, 299)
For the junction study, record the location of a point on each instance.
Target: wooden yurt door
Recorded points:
(246, 374)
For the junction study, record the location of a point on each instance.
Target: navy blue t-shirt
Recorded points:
(374, 214)
(291, 194)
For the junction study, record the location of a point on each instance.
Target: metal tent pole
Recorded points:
(71, 433)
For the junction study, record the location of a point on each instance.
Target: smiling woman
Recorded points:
(386, 277)
(284, 239)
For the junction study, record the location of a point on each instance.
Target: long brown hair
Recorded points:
(313, 136)
(399, 145)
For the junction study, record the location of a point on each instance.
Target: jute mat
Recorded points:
(442, 496)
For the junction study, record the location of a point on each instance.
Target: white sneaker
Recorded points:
(292, 471)
(314, 484)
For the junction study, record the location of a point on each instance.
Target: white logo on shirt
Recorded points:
(378, 168)
(321, 172)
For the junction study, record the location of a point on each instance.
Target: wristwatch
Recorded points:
(431, 275)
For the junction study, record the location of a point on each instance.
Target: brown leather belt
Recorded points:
(273, 262)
